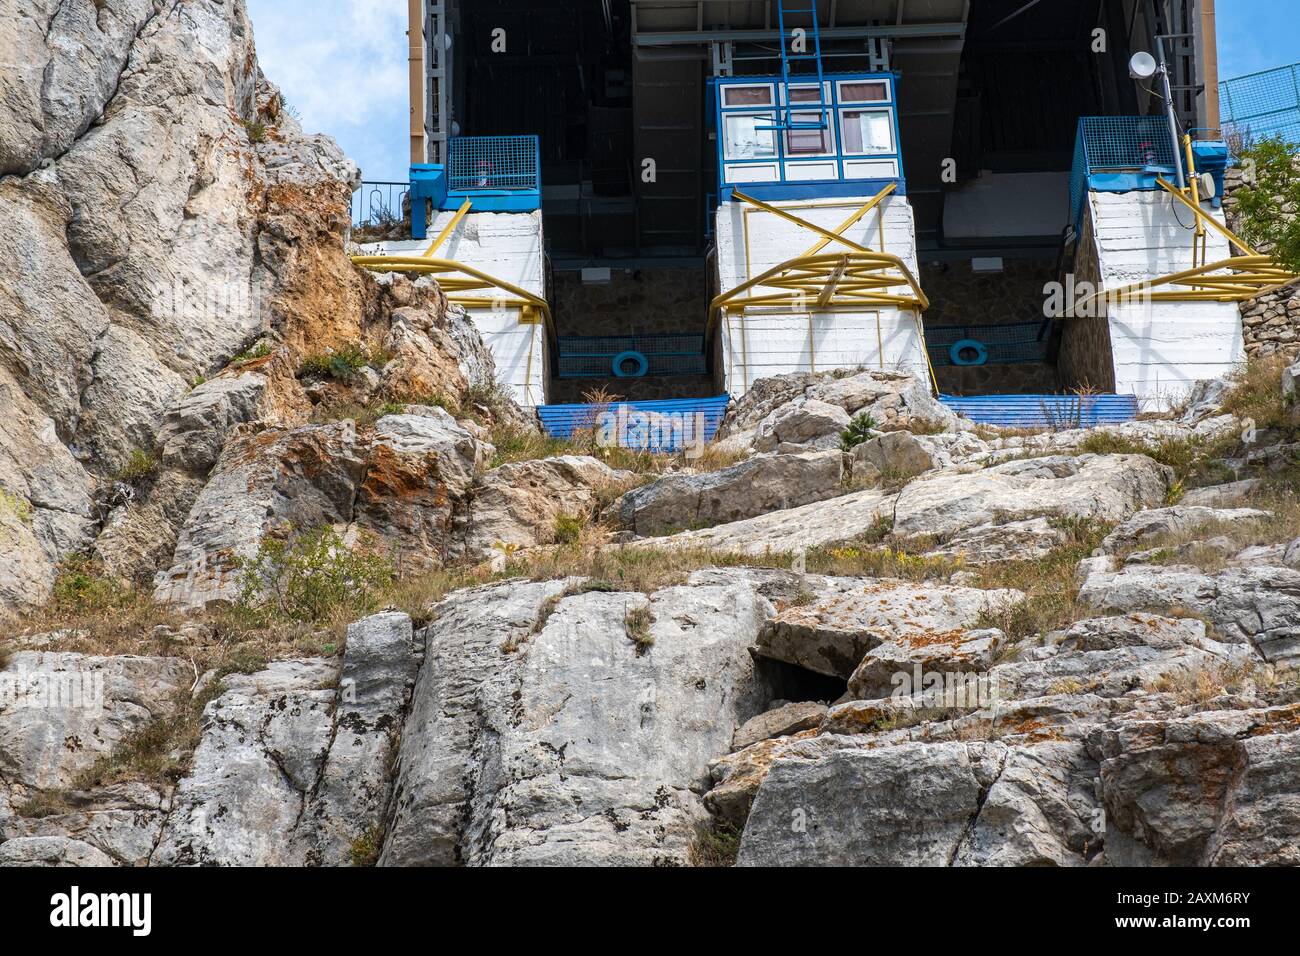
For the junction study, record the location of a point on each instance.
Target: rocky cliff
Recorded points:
(288, 582)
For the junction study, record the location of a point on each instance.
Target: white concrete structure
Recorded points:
(1159, 349)
(773, 341)
(508, 246)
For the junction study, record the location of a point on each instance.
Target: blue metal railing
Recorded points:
(1260, 105)
(476, 163)
(1119, 154)
(378, 204)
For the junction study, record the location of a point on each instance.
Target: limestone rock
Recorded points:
(546, 738)
(802, 423)
(894, 454)
(1214, 788)
(832, 635)
(275, 482)
(965, 652)
(781, 722)
(1177, 520)
(51, 852)
(821, 524)
(762, 484)
(1260, 605)
(121, 821)
(517, 504)
(1111, 487)
(263, 746)
(68, 710)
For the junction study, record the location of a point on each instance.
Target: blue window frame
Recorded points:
(858, 151)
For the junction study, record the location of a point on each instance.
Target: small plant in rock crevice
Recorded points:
(637, 624)
(859, 431)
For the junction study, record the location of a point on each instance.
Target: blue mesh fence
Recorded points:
(1261, 105)
(493, 162)
(593, 356)
(1117, 144)
(1003, 344)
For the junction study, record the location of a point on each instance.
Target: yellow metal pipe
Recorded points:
(451, 227)
(1209, 220)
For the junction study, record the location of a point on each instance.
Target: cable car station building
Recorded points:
(672, 199)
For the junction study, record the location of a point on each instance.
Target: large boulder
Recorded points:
(1257, 605)
(762, 484)
(517, 505)
(1090, 486)
(896, 399)
(1210, 789)
(820, 524)
(541, 732)
(831, 635)
(62, 712)
(1183, 519)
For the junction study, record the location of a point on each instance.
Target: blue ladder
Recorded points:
(786, 10)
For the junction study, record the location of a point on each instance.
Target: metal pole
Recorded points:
(1173, 115)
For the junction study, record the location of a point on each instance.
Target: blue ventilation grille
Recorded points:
(1045, 411)
(593, 356)
(669, 426)
(1003, 344)
(478, 163)
(1264, 104)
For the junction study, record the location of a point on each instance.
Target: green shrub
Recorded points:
(568, 528)
(139, 466)
(1269, 197)
(858, 432)
(313, 579)
(255, 129)
(82, 585)
(341, 363)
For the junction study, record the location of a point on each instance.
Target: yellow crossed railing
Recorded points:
(860, 279)
(1238, 278)
(458, 280)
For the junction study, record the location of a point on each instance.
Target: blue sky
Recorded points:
(342, 64)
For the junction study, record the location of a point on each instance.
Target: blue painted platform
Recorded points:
(1045, 411)
(668, 426)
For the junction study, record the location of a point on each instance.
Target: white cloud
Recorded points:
(343, 65)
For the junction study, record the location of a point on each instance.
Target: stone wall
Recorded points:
(1271, 323)
(634, 300)
(1085, 359)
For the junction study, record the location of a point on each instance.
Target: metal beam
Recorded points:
(904, 31)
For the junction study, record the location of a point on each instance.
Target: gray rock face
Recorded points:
(1214, 788)
(516, 505)
(133, 256)
(276, 481)
(1090, 486)
(956, 652)
(802, 423)
(763, 484)
(891, 398)
(1179, 519)
(781, 722)
(909, 805)
(61, 712)
(546, 738)
(263, 745)
(51, 852)
(832, 635)
(122, 822)
(1260, 605)
(821, 524)
(293, 767)
(893, 454)
(194, 430)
